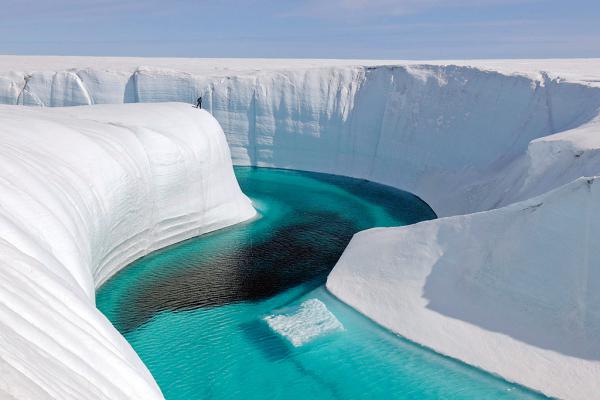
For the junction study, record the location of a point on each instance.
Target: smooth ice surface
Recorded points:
(514, 291)
(311, 320)
(85, 191)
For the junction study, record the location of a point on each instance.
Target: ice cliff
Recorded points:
(86, 190)
(510, 290)
(440, 131)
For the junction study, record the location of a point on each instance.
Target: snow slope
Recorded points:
(514, 291)
(86, 190)
(441, 130)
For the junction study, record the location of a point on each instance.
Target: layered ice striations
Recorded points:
(85, 191)
(440, 131)
(311, 320)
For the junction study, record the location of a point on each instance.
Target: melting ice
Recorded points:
(311, 320)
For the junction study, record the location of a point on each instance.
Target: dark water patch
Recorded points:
(291, 255)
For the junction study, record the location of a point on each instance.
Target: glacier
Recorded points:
(496, 147)
(85, 191)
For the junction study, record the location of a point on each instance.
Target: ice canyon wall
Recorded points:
(86, 190)
(441, 132)
(511, 290)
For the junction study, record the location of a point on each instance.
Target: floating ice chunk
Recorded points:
(311, 320)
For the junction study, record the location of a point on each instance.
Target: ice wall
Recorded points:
(514, 291)
(440, 131)
(86, 190)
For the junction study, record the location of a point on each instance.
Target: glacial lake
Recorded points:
(242, 313)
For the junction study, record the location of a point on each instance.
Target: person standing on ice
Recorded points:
(199, 102)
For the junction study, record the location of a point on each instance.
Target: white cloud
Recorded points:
(366, 8)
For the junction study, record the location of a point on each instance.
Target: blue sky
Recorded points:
(384, 29)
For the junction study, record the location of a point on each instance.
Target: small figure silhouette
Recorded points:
(199, 102)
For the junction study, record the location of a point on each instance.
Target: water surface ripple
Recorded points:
(194, 311)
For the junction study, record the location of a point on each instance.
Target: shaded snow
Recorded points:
(514, 291)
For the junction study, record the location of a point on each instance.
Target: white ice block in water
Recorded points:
(312, 320)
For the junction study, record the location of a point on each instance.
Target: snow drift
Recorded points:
(85, 191)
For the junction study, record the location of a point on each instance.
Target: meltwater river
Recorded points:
(197, 312)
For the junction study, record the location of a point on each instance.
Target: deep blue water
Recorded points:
(195, 311)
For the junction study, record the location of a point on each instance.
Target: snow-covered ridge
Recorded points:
(441, 131)
(85, 191)
(576, 70)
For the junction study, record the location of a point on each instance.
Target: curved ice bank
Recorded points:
(85, 191)
(514, 291)
(451, 134)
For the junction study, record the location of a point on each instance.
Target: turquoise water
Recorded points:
(194, 311)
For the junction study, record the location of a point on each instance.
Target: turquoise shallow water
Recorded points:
(194, 311)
